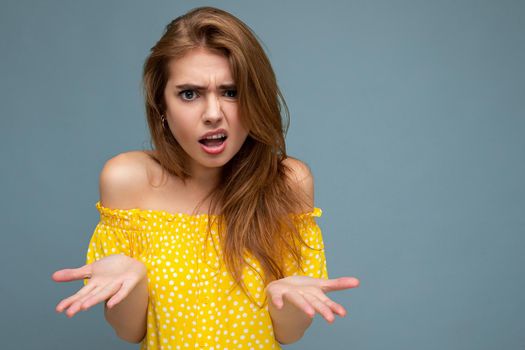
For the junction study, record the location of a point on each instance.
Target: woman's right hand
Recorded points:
(113, 276)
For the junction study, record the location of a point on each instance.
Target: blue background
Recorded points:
(411, 115)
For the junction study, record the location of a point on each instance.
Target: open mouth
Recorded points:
(213, 141)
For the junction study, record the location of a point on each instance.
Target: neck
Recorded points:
(204, 179)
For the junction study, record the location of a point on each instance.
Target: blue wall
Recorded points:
(411, 115)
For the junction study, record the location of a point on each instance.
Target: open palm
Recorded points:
(113, 276)
(308, 294)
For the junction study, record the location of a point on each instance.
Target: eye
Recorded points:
(230, 93)
(188, 95)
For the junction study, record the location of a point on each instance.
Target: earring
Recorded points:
(163, 119)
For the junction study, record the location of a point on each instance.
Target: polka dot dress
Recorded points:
(193, 301)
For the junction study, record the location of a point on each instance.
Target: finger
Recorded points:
(300, 302)
(104, 294)
(123, 292)
(82, 300)
(341, 283)
(74, 307)
(320, 307)
(66, 275)
(65, 303)
(277, 300)
(101, 294)
(335, 307)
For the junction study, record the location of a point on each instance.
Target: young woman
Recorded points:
(208, 240)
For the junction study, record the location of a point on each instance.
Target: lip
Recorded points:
(214, 132)
(214, 150)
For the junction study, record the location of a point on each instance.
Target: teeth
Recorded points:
(217, 136)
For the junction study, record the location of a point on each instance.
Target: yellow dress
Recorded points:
(191, 301)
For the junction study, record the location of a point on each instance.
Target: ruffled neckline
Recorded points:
(148, 213)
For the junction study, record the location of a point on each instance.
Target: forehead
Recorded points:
(200, 66)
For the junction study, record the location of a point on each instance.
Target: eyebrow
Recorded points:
(201, 88)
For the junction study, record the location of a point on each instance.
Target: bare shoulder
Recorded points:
(298, 170)
(124, 180)
(301, 178)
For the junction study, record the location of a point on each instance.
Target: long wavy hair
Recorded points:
(254, 197)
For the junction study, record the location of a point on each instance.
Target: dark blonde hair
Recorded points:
(255, 196)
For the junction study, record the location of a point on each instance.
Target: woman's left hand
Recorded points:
(308, 294)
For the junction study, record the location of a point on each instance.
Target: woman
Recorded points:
(220, 219)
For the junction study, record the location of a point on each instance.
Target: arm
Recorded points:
(117, 279)
(128, 318)
(290, 322)
(120, 186)
(113, 278)
(293, 301)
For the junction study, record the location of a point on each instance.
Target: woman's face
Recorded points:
(201, 97)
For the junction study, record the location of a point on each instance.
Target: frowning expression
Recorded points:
(202, 108)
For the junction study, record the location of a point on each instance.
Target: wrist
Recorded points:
(289, 322)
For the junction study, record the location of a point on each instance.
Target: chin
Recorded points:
(216, 163)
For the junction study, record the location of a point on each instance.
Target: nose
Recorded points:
(213, 112)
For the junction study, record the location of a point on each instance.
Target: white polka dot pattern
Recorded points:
(190, 303)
